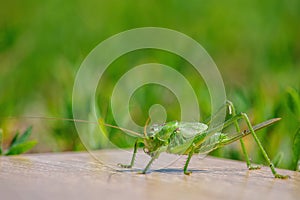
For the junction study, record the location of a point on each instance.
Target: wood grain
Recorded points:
(80, 176)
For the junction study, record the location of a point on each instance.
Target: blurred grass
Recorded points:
(255, 45)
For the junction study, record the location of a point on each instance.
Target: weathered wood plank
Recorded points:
(79, 176)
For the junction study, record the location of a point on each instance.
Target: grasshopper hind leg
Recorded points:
(262, 149)
(232, 112)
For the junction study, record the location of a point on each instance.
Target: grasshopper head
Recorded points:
(152, 143)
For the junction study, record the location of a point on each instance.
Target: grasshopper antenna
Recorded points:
(77, 120)
(120, 128)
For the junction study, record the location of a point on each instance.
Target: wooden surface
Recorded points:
(80, 176)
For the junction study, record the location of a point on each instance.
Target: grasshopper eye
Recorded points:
(146, 150)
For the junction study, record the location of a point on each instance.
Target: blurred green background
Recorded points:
(255, 45)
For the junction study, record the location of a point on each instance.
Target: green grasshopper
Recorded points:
(189, 138)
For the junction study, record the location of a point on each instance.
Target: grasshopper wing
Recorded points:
(218, 139)
(211, 143)
(191, 129)
(182, 138)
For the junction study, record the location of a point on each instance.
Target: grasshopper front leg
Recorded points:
(237, 127)
(154, 156)
(133, 157)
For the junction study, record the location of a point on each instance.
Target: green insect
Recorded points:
(189, 138)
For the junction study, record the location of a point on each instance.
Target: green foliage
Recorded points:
(254, 44)
(1, 138)
(19, 143)
(277, 159)
(293, 101)
(20, 148)
(296, 151)
(21, 139)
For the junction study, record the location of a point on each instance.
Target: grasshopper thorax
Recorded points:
(158, 135)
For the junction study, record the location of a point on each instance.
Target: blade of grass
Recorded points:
(293, 101)
(1, 138)
(14, 140)
(21, 148)
(296, 150)
(18, 140)
(277, 159)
